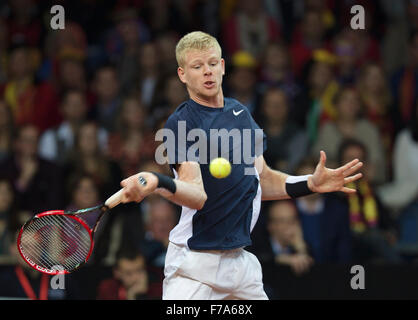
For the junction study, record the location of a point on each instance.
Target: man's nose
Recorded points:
(207, 70)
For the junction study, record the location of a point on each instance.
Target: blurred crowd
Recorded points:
(79, 109)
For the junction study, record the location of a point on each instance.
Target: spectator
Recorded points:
(308, 37)
(373, 229)
(376, 100)
(62, 46)
(163, 15)
(128, 221)
(131, 33)
(130, 281)
(83, 192)
(325, 223)
(326, 9)
(367, 47)
(249, 29)
(150, 73)
(276, 69)
(404, 84)
(402, 20)
(125, 37)
(6, 130)
(166, 46)
(345, 51)
(401, 195)
(86, 157)
(7, 211)
(243, 79)
(29, 101)
(286, 14)
(174, 93)
(349, 124)
(106, 87)
(284, 244)
(315, 105)
(23, 23)
(71, 75)
(92, 17)
(115, 231)
(56, 143)
(20, 281)
(131, 142)
(287, 144)
(160, 217)
(37, 181)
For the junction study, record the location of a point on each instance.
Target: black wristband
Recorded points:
(165, 182)
(297, 186)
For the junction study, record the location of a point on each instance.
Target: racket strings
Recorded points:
(56, 241)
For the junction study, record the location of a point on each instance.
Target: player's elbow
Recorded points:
(202, 200)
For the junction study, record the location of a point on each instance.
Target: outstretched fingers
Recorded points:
(348, 166)
(348, 190)
(352, 169)
(352, 178)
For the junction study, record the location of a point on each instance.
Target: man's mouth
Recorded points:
(209, 84)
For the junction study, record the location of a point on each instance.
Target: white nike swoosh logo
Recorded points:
(237, 112)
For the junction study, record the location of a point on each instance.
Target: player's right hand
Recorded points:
(134, 190)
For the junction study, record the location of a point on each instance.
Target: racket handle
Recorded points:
(114, 200)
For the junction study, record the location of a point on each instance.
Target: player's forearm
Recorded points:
(276, 185)
(189, 190)
(187, 194)
(273, 185)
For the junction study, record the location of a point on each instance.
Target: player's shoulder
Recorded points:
(180, 113)
(231, 103)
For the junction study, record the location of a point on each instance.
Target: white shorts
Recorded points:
(212, 275)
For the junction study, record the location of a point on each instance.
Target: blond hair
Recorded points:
(195, 40)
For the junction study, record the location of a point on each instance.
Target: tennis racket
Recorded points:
(60, 242)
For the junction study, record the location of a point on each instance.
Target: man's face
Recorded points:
(162, 220)
(275, 106)
(129, 272)
(282, 222)
(74, 107)
(27, 143)
(19, 63)
(107, 85)
(202, 73)
(86, 194)
(6, 195)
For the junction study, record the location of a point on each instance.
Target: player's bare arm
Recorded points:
(189, 190)
(273, 182)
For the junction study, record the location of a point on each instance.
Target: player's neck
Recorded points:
(212, 102)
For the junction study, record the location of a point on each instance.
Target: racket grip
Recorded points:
(114, 200)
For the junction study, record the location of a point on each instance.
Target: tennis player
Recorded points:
(206, 257)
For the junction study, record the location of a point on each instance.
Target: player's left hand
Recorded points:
(331, 180)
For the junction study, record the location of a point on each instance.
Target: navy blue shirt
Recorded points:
(233, 203)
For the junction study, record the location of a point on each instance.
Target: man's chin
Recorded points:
(210, 93)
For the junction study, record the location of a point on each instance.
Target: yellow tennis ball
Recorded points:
(220, 168)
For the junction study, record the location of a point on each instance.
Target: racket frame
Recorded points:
(69, 215)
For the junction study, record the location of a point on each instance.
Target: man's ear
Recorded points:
(223, 66)
(180, 73)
